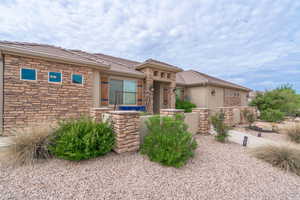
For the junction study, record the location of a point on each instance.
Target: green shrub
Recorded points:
(82, 139)
(168, 142)
(284, 157)
(186, 105)
(222, 130)
(271, 115)
(29, 145)
(293, 132)
(284, 99)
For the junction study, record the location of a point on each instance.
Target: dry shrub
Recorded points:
(28, 146)
(293, 132)
(284, 157)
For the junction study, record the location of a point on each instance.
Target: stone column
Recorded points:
(126, 127)
(171, 112)
(204, 124)
(96, 113)
(228, 115)
(149, 95)
(172, 94)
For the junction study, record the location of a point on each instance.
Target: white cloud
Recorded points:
(220, 37)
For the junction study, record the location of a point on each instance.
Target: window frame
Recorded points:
(123, 79)
(83, 80)
(61, 77)
(36, 74)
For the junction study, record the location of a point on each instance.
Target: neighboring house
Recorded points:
(210, 92)
(45, 83)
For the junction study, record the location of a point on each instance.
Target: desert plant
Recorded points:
(29, 145)
(284, 157)
(185, 104)
(249, 116)
(168, 142)
(220, 127)
(293, 132)
(82, 139)
(271, 115)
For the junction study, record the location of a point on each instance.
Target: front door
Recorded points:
(156, 97)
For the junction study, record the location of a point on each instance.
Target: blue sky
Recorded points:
(253, 43)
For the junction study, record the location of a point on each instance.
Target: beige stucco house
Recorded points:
(46, 83)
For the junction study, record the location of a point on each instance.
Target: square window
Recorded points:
(77, 78)
(162, 75)
(155, 73)
(54, 77)
(168, 75)
(28, 74)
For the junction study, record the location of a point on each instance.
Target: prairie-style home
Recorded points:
(44, 83)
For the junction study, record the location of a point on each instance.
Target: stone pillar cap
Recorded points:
(124, 112)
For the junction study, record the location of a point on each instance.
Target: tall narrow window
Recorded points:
(28, 74)
(129, 92)
(54, 77)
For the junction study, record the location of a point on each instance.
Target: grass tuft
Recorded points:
(284, 157)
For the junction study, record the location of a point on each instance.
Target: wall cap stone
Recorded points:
(123, 112)
(102, 108)
(171, 110)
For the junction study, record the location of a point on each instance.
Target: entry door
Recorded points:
(156, 97)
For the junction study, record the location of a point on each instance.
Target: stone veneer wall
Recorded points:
(32, 102)
(126, 127)
(96, 113)
(171, 112)
(232, 98)
(203, 124)
(228, 115)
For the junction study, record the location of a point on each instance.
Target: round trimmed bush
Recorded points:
(168, 142)
(82, 139)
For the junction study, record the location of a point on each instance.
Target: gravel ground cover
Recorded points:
(218, 171)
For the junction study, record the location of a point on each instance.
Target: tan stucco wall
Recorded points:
(197, 95)
(217, 100)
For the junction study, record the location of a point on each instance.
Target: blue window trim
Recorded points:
(35, 71)
(82, 79)
(61, 77)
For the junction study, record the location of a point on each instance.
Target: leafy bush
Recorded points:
(283, 99)
(222, 130)
(293, 132)
(168, 142)
(82, 139)
(284, 157)
(29, 145)
(271, 115)
(186, 105)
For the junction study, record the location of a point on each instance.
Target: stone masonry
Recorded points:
(228, 115)
(96, 113)
(171, 112)
(31, 102)
(126, 127)
(204, 124)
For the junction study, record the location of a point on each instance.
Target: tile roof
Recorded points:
(49, 51)
(192, 77)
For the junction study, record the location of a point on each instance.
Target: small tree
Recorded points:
(220, 127)
(249, 116)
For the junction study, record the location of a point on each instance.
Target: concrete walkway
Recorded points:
(4, 142)
(253, 141)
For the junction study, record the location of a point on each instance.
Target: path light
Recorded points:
(259, 133)
(245, 141)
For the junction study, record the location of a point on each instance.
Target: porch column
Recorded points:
(149, 95)
(172, 95)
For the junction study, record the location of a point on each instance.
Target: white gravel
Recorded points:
(218, 171)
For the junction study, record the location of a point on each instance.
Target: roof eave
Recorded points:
(17, 51)
(158, 66)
